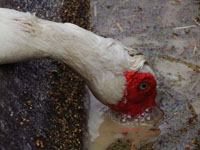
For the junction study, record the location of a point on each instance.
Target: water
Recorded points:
(106, 126)
(149, 27)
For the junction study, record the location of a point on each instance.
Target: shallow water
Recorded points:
(149, 27)
(105, 126)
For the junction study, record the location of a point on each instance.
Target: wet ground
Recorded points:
(41, 105)
(168, 33)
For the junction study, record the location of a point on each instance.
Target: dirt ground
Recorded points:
(168, 33)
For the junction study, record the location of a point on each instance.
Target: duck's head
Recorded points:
(140, 91)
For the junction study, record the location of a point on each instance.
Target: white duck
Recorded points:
(122, 81)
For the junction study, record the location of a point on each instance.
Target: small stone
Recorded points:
(76, 130)
(21, 123)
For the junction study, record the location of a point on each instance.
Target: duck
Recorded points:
(118, 76)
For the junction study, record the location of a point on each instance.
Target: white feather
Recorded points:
(101, 61)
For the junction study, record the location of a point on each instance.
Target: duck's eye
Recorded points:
(143, 86)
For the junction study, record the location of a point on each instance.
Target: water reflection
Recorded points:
(106, 126)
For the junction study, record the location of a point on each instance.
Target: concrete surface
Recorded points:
(41, 101)
(165, 31)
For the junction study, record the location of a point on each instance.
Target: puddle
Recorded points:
(147, 27)
(106, 127)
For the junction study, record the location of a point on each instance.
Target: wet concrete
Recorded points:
(168, 33)
(41, 102)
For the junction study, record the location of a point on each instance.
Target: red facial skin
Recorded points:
(136, 100)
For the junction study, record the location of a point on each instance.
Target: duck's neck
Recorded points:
(75, 46)
(17, 39)
(24, 37)
(101, 61)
